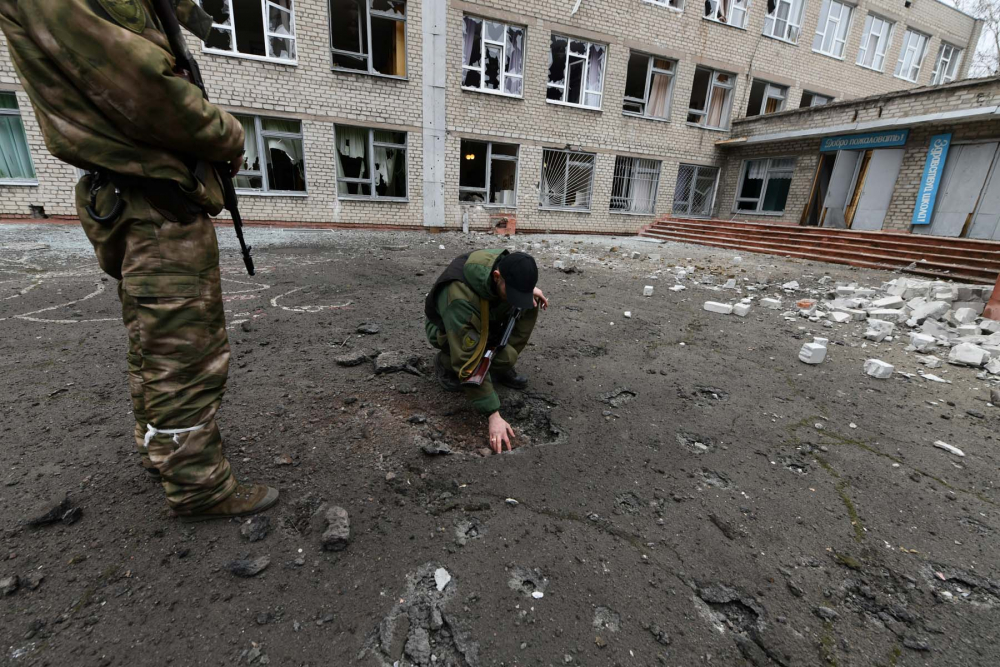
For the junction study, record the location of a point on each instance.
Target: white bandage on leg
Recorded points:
(151, 432)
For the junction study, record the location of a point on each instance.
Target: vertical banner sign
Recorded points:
(937, 153)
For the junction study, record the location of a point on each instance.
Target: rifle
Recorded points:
(483, 368)
(185, 61)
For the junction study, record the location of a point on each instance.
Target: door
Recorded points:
(965, 172)
(840, 185)
(876, 192)
(812, 215)
(861, 173)
(986, 222)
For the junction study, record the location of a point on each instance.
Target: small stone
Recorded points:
(393, 362)
(338, 529)
(826, 613)
(432, 447)
(247, 567)
(647, 290)
(255, 528)
(417, 419)
(794, 285)
(879, 369)
(283, 460)
(355, 358)
(389, 476)
(628, 314)
(49, 511)
(368, 329)
(741, 309)
(246, 326)
(441, 578)
(916, 644)
(9, 585)
(511, 502)
(34, 580)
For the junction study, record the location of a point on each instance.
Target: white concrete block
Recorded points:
(812, 353)
(977, 306)
(559, 264)
(889, 315)
(879, 329)
(730, 284)
(773, 304)
(879, 369)
(794, 285)
(741, 309)
(888, 302)
(930, 361)
(840, 317)
(647, 290)
(989, 326)
(628, 314)
(716, 307)
(967, 354)
(993, 366)
(678, 288)
(967, 330)
(825, 342)
(933, 310)
(845, 291)
(965, 316)
(922, 342)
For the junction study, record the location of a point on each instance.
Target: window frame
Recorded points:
(789, 23)
(651, 69)
(16, 111)
(763, 189)
(371, 71)
(516, 159)
(370, 181)
(503, 57)
(668, 4)
(593, 174)
(694, 178)
(742, 5)
(866, 42)
(815, 95)
(712, 84)
(262, 135)
(583, 80)
(231, 29)
(851, 11)
(637, 166)
(906, 48)
(937, 78)
(768, 87)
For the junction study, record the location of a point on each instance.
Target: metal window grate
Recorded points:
(695, 191)
(633, 189)
(567, 179)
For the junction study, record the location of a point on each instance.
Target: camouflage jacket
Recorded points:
(100, 77)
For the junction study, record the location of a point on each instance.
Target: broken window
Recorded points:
(273, 160)
(911, 56)
(576, 72)
(15, 158)
(764, 185)
(633, 189)
(813, 99)
(765, 98)
(567, 179)
(694, 194)
(730, 12)
(784, 19)
(649, 83)
(672, 4)
(711, 98)
(875, 42)
(369, 36)
(946, 68)
(371, 164)
(488, 173)
(831, 31)
(252, 28)
(492, 56)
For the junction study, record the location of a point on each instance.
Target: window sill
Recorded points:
(829, 55)
(770, 213)
(377, 75)
(679, 10)
(270, 193)
(497, 93)
(573, 106)
(19, 182)
(250, 56)
(563, 209)
(630, 213)
(374, 200)
(903, 78)
(705, 127)
(728, 25)
(485, 205)
(640, 117)
(781, 39)
(872, 69)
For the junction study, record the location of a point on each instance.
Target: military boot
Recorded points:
(445, 376)
(511, 378)
(245, 500)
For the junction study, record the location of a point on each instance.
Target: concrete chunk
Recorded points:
(647, 290)
(879, 369)
(922, 342)
(964, 316)
(812, 353)
(930, 361)
(933, 310)
(967, 354)
(773, 304)
(888, 302)
(841, 317)
(889, 315)
(879, 329)
(794, 285)
(716, 307)
(989, 326)
(741, 309)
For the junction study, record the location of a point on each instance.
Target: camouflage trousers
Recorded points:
(178, 350)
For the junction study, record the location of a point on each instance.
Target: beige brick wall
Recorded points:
(311, 92)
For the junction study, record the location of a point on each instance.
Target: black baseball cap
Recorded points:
(520, 275)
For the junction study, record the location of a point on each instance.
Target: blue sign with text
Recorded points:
(937, 153)
(861, 142)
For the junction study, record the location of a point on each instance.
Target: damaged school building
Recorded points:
(597, 116)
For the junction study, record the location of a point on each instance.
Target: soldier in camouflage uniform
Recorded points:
(466, 312)
(100, 76)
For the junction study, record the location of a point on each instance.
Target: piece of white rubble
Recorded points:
(678, 288)
(716, 307)
(922, 342)
(968, 354)
(647, 290)
(887, 302)
(773, 304)
(887, 314)
(993, 366)
(949, 448)
(879, 369)
(441, 578)
(878, 330)
(794, 285)
(628, 314)
(813, 353)
(930, 361)
(741, 309)
(840, 317)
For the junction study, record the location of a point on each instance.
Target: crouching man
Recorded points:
(467, 312)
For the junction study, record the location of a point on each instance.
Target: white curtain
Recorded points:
(756, 169)
(659, 96)
(469, 34)
(351, 142)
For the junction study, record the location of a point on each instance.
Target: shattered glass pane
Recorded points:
(355, 189)
(554, 94)
(492, 80)
(390, 137)
(280, 125)
(472, 30)
(505, 149)
(577, 46)
(557, 60)
(279, 22)
(595, 70)
(251, 161)
(350, 62)
(494, 31)
(286, 168)
(249, 27)
(220, 39)
(352, 152)
(397, 7)
(248, 182)
(281, 48)
(472, 197)
(218, 9)
(390, 172)
(635, 76)
(512, 85)
(472, 167)
(388, 46)
(575, 92)
(515, 51)
(348, 28)
(471, 78)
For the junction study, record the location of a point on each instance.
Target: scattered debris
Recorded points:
(337, 532)
(368, 329)
(355, 358)
(720, 308)
(879, 369)
(940, 444)
(248, 567)
(814, 352)
(618, 396)
(432, 447)
(441, 578)
(255, 528)
(394, 362)
(647, 290)
(55, 510)
(9, 585)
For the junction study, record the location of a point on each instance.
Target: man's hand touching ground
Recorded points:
(540, 299)
(500, 433)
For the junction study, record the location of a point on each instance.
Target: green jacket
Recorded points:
(100, 77)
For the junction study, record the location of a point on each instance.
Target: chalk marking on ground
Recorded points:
(28, 316)
(306, 309)
(22, 292)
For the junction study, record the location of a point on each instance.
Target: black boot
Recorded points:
(510, 378)
(445, 376)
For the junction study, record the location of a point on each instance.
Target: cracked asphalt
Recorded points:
(685, 490)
